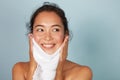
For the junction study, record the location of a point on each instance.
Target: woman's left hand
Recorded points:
(64, 50)
(62, 59)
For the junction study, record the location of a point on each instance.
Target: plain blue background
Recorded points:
(95, 25)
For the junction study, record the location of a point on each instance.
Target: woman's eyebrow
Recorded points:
(56, 25)
(39, 26)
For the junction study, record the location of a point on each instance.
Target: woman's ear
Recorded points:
(66, 33)
(66, 36)
(30, 34)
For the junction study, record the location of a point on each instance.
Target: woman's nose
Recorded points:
(48, 37)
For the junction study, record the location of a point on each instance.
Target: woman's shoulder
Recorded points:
(77, 71)
(21, 65)
(20, 68)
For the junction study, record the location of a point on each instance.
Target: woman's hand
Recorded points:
(62, 60)
(32, 63)
(64, 50)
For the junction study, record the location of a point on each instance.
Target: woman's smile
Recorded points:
(48, 46)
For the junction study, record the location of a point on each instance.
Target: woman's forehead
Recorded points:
(48, 18)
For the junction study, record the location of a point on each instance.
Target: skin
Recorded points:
(48, 32)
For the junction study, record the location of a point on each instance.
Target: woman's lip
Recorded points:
(48, 45)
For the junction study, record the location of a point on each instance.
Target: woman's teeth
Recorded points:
(48, 45)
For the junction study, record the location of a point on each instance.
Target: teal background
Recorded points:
(95, 25)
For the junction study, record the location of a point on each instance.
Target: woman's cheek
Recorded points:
(36, 37)
(60, 39)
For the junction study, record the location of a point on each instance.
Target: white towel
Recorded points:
(46, 64)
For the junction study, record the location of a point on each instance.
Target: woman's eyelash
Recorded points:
(56, 30)
(40, 30)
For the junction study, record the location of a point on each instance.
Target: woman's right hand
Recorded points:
(32, 63)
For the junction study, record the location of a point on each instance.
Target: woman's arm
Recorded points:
(76, 73)
(82, 73)
(17, 72)
(32, 63)
(62, 60)
(21, 71)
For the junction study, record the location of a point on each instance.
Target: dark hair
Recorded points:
(50, 7)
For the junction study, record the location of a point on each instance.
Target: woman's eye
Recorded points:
(56, 30)
(40, 30)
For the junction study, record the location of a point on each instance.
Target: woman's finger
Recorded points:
(30, 45)
(64, 49)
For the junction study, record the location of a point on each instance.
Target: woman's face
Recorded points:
(48, 31)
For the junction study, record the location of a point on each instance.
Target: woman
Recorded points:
(49, 28)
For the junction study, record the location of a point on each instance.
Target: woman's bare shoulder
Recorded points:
(78, 72)
(19, 70)
(20, 65)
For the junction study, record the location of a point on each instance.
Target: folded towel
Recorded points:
(46, 64)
